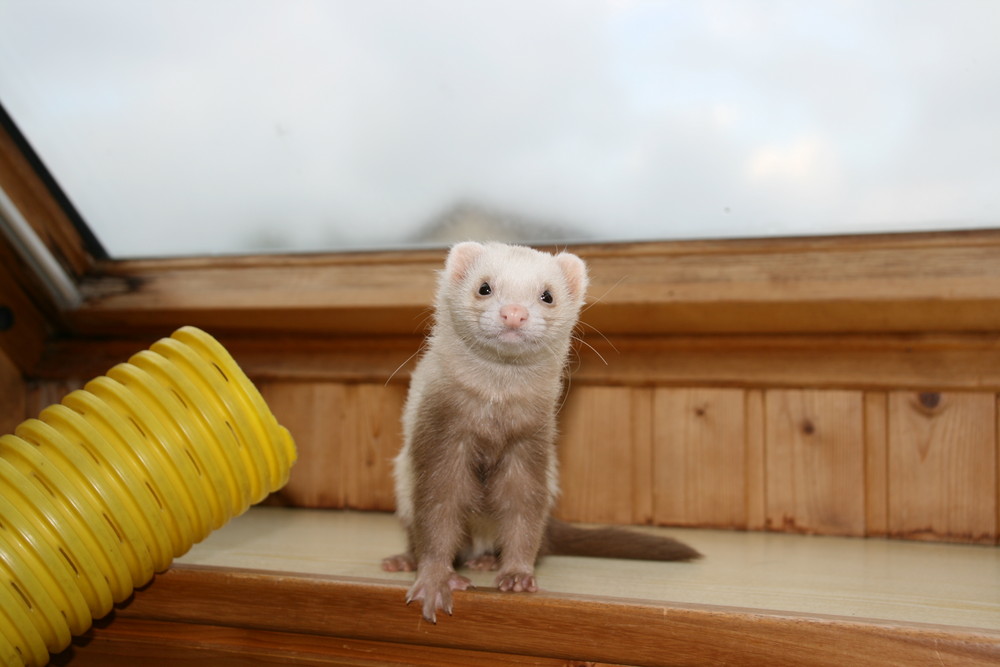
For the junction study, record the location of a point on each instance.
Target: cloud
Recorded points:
(807, 167)
(201, 126)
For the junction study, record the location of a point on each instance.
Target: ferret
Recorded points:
(476, 478)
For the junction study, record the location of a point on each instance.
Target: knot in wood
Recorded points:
(929, 399)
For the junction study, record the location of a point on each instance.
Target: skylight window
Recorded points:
(228, 126)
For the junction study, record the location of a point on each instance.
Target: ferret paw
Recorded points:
(399, 563)
(517, 582)
(484, 562)
(436, 594)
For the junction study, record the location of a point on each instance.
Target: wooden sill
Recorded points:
(946, 282)
(910, 283)
(292, 586)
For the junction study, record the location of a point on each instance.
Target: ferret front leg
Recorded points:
(433, 588)
(436, 534)
(521, 539)
(521, 499)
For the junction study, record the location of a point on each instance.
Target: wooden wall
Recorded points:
(12, 395)
(842, 386)
(908, 463)
(693, 448)
(919, 465)
(841, 435)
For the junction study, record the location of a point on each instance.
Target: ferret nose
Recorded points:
(513, 315)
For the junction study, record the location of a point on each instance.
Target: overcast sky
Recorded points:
(182, 126)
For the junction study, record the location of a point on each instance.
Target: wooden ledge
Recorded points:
(884, 362)
(195, 606)
(755, 599)
(946, 282)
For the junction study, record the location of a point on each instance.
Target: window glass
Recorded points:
(228, 126)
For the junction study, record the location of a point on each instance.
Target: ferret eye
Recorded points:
(485, 289)
(547, 297)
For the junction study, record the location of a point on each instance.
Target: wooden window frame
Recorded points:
(944, 283)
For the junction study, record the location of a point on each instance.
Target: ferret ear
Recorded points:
(575, 272)
(460, 259)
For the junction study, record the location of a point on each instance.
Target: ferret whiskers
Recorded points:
(593, 349)
(423, 344)
(601, 298)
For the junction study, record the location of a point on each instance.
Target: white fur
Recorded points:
(472, 352)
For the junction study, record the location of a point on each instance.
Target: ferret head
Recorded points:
(511, 302)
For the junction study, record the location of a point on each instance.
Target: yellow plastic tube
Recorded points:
(105, 488)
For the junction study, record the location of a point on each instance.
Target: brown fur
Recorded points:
(565, 539)
(476, 478)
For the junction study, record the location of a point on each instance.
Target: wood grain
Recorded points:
(876, 464)
(885, 362)
(643, 472)
(128, 642)
(40, 209)
(547, 625)
(621, 461)
(870, 316)
(815, 462)
(27, 311)
(756, 460)
(379, 439)
(698, 460)
(845, 361)
(346, 437)
(598, 454)
(943, 458)
(879, 284)
(13, 408)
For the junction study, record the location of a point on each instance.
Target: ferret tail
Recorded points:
(565, 539)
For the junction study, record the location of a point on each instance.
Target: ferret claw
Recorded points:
(517, 582)
(436, 596)
(399, 563)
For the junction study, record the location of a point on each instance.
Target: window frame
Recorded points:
(905, 283)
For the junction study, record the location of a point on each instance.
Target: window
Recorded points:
(230, 126)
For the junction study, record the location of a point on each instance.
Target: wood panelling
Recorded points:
(815, 462)
(756, 461)
(699, 457)
(346, 435)
(25, 311)
(943, 458)
(904, 464)
(13, 408)
(604, 455)
(876, 464)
